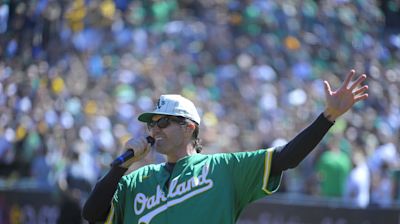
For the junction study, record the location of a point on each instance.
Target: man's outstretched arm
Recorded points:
(337, 103)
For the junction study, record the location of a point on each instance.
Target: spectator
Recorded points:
(333, 168)
(357, 188)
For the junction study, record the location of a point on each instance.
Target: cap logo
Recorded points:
(160, 103)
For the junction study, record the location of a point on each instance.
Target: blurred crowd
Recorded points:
(75, 75)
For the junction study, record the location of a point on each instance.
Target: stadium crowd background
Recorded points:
(75, 74)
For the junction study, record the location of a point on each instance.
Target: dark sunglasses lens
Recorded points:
(163, 122)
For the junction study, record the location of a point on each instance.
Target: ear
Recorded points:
(191, 127)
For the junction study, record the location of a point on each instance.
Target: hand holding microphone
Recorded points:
(137, 149)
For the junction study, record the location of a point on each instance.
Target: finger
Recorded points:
(328, 90)
(358, 81)
(148, 148)
(144, 141)
(142, 153)
(141, 149)
(349, 78)
(361, 97)
(136, 144)
(360, 90)
(129, 144)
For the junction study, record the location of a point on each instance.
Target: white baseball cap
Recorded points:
(174, 105)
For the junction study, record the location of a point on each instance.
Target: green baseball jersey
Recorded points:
(201, 188)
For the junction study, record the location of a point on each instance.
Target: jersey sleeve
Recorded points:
(251, 175)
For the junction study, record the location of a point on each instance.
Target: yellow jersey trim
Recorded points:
(110, 215)
(267, 169)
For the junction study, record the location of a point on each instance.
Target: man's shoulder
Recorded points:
(144, 170)
(239, 153)
(149, 168)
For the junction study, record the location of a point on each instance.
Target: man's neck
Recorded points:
(169, 166)
(176, 157)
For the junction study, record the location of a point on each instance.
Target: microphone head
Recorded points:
(150, 140)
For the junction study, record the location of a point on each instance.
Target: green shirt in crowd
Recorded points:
(333, 168)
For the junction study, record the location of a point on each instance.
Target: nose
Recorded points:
(154, 129)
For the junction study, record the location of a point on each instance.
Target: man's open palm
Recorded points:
(342, 99)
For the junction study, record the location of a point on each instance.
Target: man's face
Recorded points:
(168, 133)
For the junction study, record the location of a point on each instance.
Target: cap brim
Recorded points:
(147, 117)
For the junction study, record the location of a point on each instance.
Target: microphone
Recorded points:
(150, 140)
(129, 153)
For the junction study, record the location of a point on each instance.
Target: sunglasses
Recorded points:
(165, 122)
